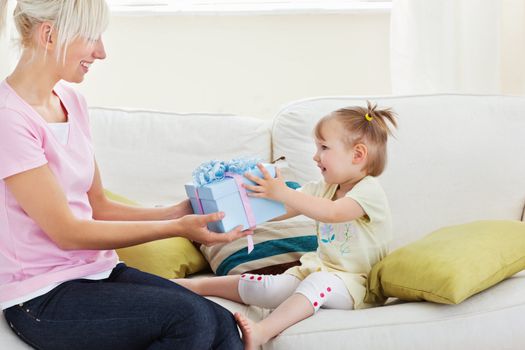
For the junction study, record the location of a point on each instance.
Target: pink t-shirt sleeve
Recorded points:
(20, 145)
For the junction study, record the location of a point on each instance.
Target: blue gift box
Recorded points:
(224, 195)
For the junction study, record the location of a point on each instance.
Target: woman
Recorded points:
(61, 285)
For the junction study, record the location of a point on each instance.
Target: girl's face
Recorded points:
(337, 161)
(81, 53)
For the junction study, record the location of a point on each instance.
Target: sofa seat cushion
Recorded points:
(491, 319)
(8, 339)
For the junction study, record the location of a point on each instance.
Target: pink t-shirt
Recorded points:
(29, 259)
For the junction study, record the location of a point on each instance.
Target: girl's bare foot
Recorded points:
(252, 336)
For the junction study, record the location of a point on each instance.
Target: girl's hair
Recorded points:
(364, 125)
(70, 19)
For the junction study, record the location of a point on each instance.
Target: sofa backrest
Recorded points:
(148, 156)
(455, 158)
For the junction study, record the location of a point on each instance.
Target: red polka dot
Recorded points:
(322, 295)
(251, 277)
(316, 303)
(242, 276)
(259, 278)
(329, 289)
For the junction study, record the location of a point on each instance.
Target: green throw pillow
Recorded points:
(450, 264)
(168, 258)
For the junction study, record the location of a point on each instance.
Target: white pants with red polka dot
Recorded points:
(322, 289)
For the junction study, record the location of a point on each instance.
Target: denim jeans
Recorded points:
(130, 309)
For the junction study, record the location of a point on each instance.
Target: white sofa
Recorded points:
(455, 159)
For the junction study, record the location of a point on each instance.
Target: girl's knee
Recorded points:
(319, 287)
(267, 291)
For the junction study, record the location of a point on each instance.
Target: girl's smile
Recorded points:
(335, 158)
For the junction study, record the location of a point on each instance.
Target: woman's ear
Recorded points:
(360, 153)
(46, 36)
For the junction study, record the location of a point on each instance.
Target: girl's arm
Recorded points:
(41, 197)
(320, 209)
(290, 213)
(106, 209)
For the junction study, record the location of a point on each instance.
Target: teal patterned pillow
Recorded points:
(277, 246)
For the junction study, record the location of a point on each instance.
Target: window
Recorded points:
(245, 6)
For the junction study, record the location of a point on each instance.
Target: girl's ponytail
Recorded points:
(380, 118)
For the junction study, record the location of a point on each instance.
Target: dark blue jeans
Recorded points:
(130, 309)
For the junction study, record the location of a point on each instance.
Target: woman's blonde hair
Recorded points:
(364, 125)
(70, 19)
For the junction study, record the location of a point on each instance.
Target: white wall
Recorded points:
(248, 65)
(252, 65)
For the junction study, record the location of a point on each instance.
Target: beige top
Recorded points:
(350, 249)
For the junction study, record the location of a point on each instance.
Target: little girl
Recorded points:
(353, 228)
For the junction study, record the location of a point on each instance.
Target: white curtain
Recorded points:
(446, 46)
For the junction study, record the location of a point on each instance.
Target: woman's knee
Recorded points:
(200, 312)
(214, 325)
(188, 323)
(227, 335)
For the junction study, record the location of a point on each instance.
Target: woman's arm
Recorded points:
(41, 197)
(320, 209)
(106, 209)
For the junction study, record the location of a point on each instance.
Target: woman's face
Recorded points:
(80, 54)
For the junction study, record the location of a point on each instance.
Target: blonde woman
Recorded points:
(61, 283)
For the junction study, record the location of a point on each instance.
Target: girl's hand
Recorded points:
(194, 228)
(267, 186)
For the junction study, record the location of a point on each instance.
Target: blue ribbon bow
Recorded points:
(215, 170)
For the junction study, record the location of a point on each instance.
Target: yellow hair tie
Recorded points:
(369, 118)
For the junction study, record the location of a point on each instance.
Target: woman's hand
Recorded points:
(181, 209)
(267, 186)
(194, 227)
